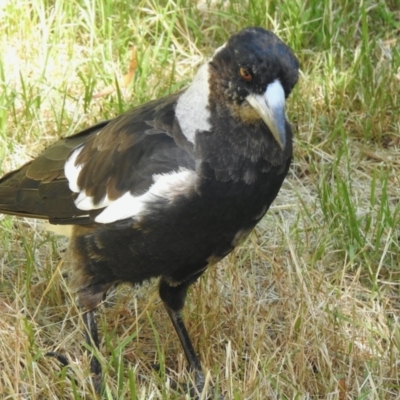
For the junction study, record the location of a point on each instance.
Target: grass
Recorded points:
(308, 307)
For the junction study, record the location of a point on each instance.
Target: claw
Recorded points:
(62, 359)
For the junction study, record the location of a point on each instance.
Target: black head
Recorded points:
(252, 74)
(252, 59)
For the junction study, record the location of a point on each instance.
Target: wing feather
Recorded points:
(117, 157)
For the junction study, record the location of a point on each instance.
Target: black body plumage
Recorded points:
(172, 186)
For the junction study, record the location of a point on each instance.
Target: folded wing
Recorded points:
(77, 178)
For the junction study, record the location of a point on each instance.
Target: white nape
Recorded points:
(219, 49)
(192, 108)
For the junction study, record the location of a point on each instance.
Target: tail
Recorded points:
(26, 197)
(39, 189)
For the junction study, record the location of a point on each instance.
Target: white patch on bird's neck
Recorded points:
(192, 108)
(219, 49)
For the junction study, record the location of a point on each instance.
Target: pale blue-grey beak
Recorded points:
(271, 108)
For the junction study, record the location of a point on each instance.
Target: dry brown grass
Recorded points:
(308, 307)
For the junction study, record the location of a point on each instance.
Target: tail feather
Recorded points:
(20, 195)
(39, 189)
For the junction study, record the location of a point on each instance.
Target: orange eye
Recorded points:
(245, 74)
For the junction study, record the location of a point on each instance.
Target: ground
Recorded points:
(308, 307)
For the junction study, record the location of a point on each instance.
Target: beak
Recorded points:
(271, 108)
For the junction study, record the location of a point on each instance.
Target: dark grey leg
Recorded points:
(174, 300)
(190, 353)
(92, 339)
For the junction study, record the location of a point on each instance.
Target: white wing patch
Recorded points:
(192, 108)
(72, 171)
(165, 186)
(84, 202)
(126, 206)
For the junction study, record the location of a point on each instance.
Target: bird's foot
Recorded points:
(63, 361)
(59, 357)
(195, 390)
(201, 390)
(95, 369)
(96, 373)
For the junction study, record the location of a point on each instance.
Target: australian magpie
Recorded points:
(168, 188)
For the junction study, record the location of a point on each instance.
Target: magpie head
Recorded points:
(253, 74)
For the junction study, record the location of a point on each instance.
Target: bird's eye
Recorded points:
(245, 74)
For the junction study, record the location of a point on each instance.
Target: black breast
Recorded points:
(177, 240)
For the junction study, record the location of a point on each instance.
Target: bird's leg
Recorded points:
(89, 297)
(190, 353)
(92, 339)
(174, 300)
